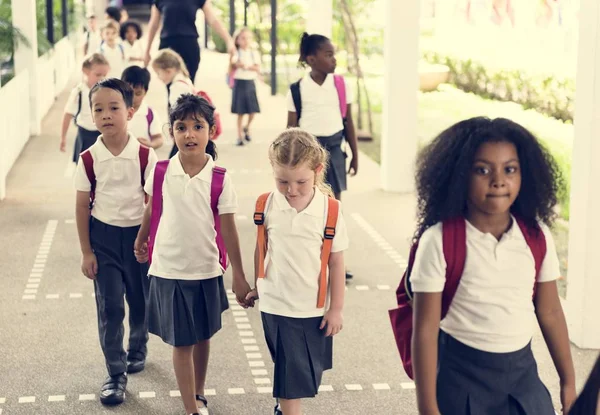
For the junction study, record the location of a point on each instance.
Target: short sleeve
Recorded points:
(228, 200)
(340, 240)
(80, 180)
(152, 159)
(349, 92)
(290, 101)
(155, 125)
(148, 187)
(550, 270)
(429, 270)
(73, 101)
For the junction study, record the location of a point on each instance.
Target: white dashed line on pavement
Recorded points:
(407, 385)
(236, 391)
(381, 386)
(354, 387)
(146, 395)
(27, 399)
(87, 397)
(39, 264)
(325, 388)
(56, 398)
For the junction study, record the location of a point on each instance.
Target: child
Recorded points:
(299, 329)
(111, 175)
(145, 124)
(112, 49)
(501, 184)
(246, 67)
(131, 33)
(92, 36)
(320, 113)
(114, 14)
(171, 69)
(588, 401)
(95, 68)
(187, 295)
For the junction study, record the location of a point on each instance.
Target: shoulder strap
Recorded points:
(454, 240)
(340, 85)
(295, 88)
(536, 240)
(101, 46)
(261, 234)
(122, 51)
(333, 209)
(216, 188)
(144, 153)
(149, 118)
(88, 164)
(79, 102)
(157, 202)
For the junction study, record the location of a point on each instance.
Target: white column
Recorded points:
(582, 305)
(320, 17)
(24, 18)
(400, 100)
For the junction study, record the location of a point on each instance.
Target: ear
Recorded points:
(310, 59)
(212, 132)
(319, 169)
(130, 112)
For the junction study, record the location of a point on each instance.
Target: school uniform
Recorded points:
(288, 294)
(114, 223)
(139, 126)
(244, 99)
(187, 294)
(78, 105)
(116, 57)
(485, 361)
(180, 85)
(133, 51)
(321, 116)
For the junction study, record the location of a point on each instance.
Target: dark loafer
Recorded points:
(136, 362)
(278, 410)
(113, 390)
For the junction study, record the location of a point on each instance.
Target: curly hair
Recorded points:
(193, 106)
(444, 168)
(130, 23)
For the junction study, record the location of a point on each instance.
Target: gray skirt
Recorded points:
(474, 382)
(182, 312)
(300, 351)
(244, 99)
(335, 175)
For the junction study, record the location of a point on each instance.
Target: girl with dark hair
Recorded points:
(187, 294)
(588, 402)
(500, 183)
(131, 33)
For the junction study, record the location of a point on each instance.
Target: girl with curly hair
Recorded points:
(477, 359)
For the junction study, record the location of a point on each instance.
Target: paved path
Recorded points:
(51, 361)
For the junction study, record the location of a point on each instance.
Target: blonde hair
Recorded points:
(167, 59)
(93, 59)
(237, 34)
(295, 147)
(111, 24)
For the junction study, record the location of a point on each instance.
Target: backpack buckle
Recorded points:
(259, 218)
(329, 232)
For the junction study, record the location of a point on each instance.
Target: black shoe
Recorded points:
(278, 410)
(135, 366)
(239, 142)
(113, 390)
(246, 135)
(349, 275)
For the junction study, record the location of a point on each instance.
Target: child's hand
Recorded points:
(334, 320)
(140, 250)
(353, 166)
(567, 397)
(63, 144)
(144, 141)
(146, 59)
(89, 265)
(251, 297)
(240, 288)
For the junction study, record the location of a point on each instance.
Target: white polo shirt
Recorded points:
(181, 85)
(321, 115)
(185, 246)
(133, 51)
(116, 57)
(84, 119)
(119, 199)
(293, 262)
(138, 125)
(247, 57)
(492, 309)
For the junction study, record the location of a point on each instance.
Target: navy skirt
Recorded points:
(183, 312)
(474, 382)
(84, 140)
(335, 175)
(243, 99)
(301, 353)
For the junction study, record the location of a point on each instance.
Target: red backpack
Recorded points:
(454, 241)
(217, 116)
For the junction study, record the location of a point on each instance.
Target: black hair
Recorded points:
(114, 13)
(587, 402)
(444, 168)
(117, 85)
(188, 105)
(127, 25)
(310, 45)
(136, 76)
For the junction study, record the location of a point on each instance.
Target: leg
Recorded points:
(184, 372)
(201, 353)
(247, 128)
(291, 406)
(240, 139)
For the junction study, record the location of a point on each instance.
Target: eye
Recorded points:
(97, 110)
(180, 127)
(302, 181)
(511, 169)
(198, 126)
(114, 108)
(282, 181)
(481, 170)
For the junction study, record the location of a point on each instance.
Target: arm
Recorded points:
(217, 25)
(140, 246)
(333, 318)
(241, 288)
(426, 326)
(292, 120)
(157, 141)
(352, 141)
(89, 264)
(153, 25)
(67, 118)
(554, 328)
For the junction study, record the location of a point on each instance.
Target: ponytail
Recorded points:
(211, 149)
(309, 45)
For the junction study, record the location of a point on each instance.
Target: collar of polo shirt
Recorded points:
(131, 150)
(316, 207)
(176, 169)
(513, 232)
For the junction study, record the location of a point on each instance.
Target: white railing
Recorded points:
(64, 58)
(14, 124)
(44, 92)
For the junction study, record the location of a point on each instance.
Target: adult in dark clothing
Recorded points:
(179, 29)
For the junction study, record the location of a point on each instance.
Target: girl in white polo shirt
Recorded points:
(187, 295)
(298, 332)
(478, 359)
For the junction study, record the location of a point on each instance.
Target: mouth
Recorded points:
(190, 145)
(107, 125)
(497, 196)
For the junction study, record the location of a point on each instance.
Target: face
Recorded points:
(244, 38)
(166, 75)
(110, 112)
(295, 183)
(95, 74)
(109, 35)
(192, 134)
(324, 60)
(131, 34)
(495, 178)
(92, 24)
(138, 96)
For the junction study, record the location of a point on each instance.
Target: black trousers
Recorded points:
(119, 275)
(189, 49)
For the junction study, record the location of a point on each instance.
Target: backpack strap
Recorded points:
(79, 101)
(122, 50)
(340, 86)
(536, 240)
(88, 164)
(157, 202)
(333, 209)
(454, 241)
(216, 188)
(144, 153)
(295, 89)
(149, 118)
(261, 232)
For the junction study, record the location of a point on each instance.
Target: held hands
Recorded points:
(140, 250)
(353, 166)
(240, 288)
(251, 297)
(146, 59)
(334, 320)
(567, 397)
(89, 265)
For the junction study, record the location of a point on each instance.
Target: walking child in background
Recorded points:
(95, 68)
(184, 219)
(92, 37)
(245, 67)
(145, 124)
(110, 181)
(486, 196)
(112, 49)
(300, 301)
(321, 103)
(131, 33)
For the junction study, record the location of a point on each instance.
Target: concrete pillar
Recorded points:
(400, 100)
(24, 18)
(320, 17)
(582, 305)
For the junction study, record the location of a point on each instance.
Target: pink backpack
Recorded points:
(216, 188)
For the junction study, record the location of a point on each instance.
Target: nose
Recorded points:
(498, 179)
